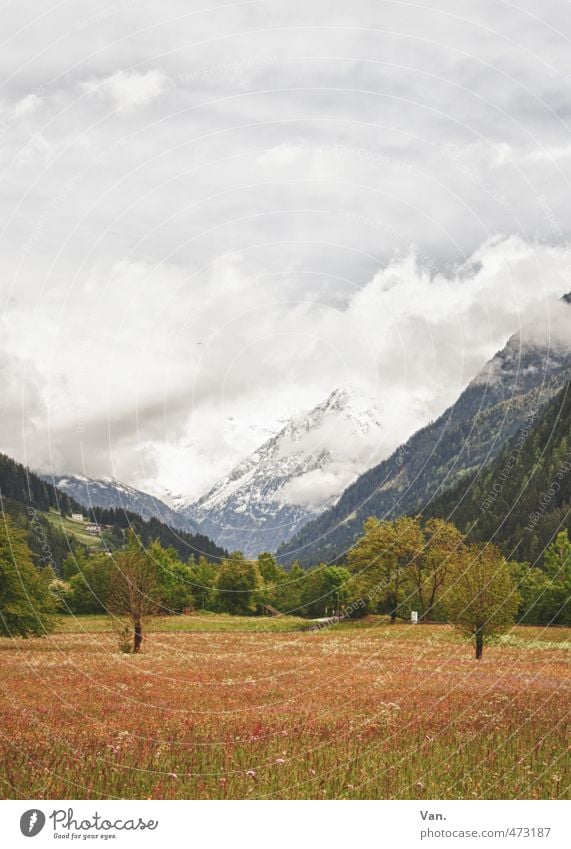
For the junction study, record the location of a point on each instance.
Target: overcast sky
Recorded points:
(212, 214)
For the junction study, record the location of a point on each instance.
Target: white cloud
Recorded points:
(129, 91)
(283, 207)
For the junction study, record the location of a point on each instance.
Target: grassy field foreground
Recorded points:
(347, 712)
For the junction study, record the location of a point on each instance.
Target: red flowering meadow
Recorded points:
(349, 712)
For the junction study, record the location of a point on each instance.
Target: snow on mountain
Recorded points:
(512, 388)
(108, 492)
(293, 476)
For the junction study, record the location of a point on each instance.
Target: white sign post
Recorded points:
(414, 617)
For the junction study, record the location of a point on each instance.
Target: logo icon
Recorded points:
(32, 822)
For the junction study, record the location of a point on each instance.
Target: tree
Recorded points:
(174, 578)
(324, 589)
(89, 582)
(273, 576)
(435, 549)
(202, 576)
(26, 604)
(558, 569)
(381, 559)
(135, 588)
(533, 586)
(237, 584)
(481, 598)
(289, 591)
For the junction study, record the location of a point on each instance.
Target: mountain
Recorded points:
(524, 376)
(293, 476)
(522, 499)
(108, 492)
(37, 505)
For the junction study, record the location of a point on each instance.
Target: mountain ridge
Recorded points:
(108, 492)
(291, 476)
(522, 376)
(522, 499)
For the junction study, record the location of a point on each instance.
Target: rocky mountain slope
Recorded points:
(520, 379)
(522, 499)
(293, 476)
(110, 493)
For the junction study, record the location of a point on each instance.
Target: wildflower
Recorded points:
(251, 773)
(280, 760)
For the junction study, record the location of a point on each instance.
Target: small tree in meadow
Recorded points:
(481, 597)
(134, 587)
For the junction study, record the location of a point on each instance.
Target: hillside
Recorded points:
(523, 498)
(524, 376)
(110, 493)
(44, 511)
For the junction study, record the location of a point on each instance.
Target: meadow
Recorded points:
(225, 707)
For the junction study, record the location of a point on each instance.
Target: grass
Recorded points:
(356, 711)
(194, 623)
(75, 529)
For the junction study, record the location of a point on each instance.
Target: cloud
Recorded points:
(318, 487)
(284, 206)
(129, 91)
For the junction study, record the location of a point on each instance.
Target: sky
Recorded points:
(212, 214)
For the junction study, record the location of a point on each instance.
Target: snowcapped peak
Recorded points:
(297, 472)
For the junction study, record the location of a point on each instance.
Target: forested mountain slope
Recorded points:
(524, 376)
(523, 498)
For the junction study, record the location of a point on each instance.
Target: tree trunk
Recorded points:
(393, 617)
(138, 637)
(479, 645)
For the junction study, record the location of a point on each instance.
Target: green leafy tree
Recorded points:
(135, 589)
(433, 550)
(61, 594)
(89, 584)
(202, 576)
(26, 605)
(380, 563)
(481, 597)
(558, 568)
(532, 584)
(273, 576)
(325, 590)
(174, 578)
(289, 591)
(238, 584)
